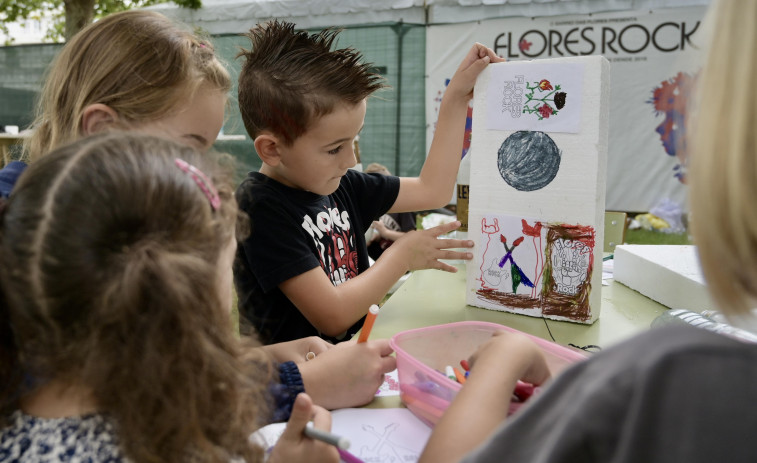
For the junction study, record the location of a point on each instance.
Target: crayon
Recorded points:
(450, 373)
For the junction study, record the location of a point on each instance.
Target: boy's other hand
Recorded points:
(478, 57)
(424, 249)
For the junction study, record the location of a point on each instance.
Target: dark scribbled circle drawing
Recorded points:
(528, 161)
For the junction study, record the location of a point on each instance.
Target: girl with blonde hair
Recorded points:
(139, 71)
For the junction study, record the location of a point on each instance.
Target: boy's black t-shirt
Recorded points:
(293, 231)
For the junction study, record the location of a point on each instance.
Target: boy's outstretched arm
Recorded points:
(333, 309)
(433, 188)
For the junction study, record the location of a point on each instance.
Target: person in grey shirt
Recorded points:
(672, 394)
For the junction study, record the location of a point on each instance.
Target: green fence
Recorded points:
(394, 132)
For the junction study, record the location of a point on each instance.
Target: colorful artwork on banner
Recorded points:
(671, 99)
(534, 266)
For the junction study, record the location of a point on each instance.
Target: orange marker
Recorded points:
(459, 375)
(368, 324)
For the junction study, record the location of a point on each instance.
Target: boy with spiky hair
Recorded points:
(304, 269)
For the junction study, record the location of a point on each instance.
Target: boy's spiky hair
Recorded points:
(291, 77)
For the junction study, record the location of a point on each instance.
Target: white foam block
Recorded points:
(669, 274)
(557, 256)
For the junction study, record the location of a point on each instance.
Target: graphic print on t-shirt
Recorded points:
(330, 230)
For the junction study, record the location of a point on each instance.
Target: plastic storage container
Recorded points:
(423, 354)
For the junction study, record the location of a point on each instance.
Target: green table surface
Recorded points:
(433, 297)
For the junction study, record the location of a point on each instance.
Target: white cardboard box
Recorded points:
(669, 274)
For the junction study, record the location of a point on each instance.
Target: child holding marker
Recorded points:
(115, 337)
(139, 71)
(676, 394)
(304, 269)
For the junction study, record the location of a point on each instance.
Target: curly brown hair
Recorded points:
(290, 77)
(108, 263)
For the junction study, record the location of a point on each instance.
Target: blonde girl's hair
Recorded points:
(108, 263)
(724, 163)
(139, 63)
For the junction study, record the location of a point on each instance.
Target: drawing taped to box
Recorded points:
(528, 161)
(534, 96)
(534, 266)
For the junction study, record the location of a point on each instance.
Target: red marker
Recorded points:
(523, 390)
(464, 363)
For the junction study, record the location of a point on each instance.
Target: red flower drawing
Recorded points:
(545, 85)
(545, 111)
(524, 45)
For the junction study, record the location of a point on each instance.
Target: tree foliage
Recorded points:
(69, 16)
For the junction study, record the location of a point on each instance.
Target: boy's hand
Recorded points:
(294, 446)
(349, 374)
(474, 62)
(380, 227)
(423, 249)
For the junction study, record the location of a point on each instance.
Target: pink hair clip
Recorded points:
(202, 181)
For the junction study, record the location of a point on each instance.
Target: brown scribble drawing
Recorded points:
(509, 300)
(567, 278)
(565, 274)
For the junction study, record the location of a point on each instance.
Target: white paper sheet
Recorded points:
(377, 435)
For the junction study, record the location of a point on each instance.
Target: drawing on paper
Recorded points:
(567, 282)
(528, 161)
(539, 103)
(390, 386)
(531, 96)
(536, 266)
(384, 449)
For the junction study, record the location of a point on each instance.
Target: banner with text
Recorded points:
(654, 57)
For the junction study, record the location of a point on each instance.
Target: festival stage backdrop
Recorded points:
(654, 60)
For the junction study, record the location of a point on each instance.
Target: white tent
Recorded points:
(235, 16)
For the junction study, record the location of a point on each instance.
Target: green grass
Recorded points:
(641, 236)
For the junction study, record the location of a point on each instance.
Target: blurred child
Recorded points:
(115, 337)
(673, 394)
(389, 227)
(304, 269)
(140, 71)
